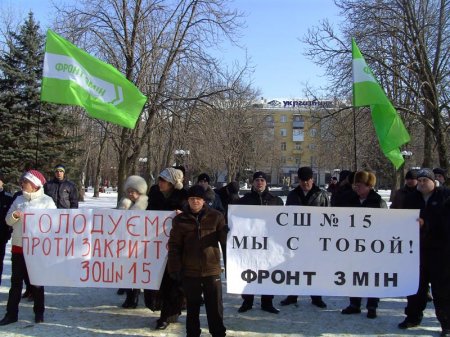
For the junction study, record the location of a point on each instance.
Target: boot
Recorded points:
(8, 319)
(132, 299)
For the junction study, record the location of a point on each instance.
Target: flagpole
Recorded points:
(37, 137)
(355, 167)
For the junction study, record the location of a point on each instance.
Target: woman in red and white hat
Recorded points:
(32, 197)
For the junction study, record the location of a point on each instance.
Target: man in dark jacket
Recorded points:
(5, 230)
(63, 192)
(306, 194)
(434, 204)
(211, 198)
(259, 195)
(398, 199)
(194, 261)
(363, 196)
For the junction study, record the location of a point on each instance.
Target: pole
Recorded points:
(355, 167)
(37, 137)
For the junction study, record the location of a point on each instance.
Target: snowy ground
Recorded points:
(96, 312)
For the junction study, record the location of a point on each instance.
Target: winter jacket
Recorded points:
(24, 202)
(315, 197)
(264, 198)
(398, 200)
(63, 192)
(140, 204)
(434, 234)
(194, 243)
(6, 200)
(213, 200)
(157, 201)
(373, 200)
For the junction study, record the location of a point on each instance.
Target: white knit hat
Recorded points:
(173, 176)
(137, 183)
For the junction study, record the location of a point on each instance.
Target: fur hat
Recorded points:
(426, 173)
(344, 174)
(364, 177)
(305, 173)
(173, 176)
(137, 183)
(196, 191)
(204, 177)
(259, 174)
(35, 177)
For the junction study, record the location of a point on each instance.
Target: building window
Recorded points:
(312, 147)
(283, 160)
(283, 146)
(313, 132)
(283, 132)
(298, 135)
(298, 146)
(283, 119)
(297, 161)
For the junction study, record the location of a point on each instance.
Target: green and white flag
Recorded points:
(73, 77)
(389, 127)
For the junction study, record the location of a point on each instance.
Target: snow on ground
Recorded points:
(73, 312)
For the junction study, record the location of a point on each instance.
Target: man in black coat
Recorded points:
(306, 194)
(434, 205)
(5, 230)
(259, 195)
(63, 192)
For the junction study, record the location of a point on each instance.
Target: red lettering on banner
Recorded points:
(46, 246)
(148, 221)
(108, 251)
(34, 243)
(116, 224)
(167, 225)
(96, 250)
(131, 225)
(94, 230)
(83, 223)
(87, 244)
(158, 248)
(121, 244)
(42, 224)
(146, 271)
(146, 244)
(133, 249)
(60, 224)
(101, 272)
(25, 216)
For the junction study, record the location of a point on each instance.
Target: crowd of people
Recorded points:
(198, 238)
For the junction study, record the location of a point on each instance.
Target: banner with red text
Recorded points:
(296, 250)
(96, 247)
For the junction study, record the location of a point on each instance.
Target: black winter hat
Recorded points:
(259, 174)
(196, 191)
(440, 171)
(426, 173)
(233, 187)
(411, 174)
(305, 173)
(204, 177)
(344, 174)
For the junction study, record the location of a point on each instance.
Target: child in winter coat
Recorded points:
(136, 199)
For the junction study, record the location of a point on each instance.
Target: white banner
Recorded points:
(296, 250)
(96, 247)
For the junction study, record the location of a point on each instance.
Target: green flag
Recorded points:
(389, 127)
(72, 76)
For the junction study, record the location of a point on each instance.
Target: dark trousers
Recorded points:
(18, 272)
(2, 256)
(266, 300)
(170, 295)
(211, 287)
(434, 270)
(372, 302)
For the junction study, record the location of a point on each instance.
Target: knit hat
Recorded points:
(426, 173)
(35, 177)
(60, 167)
(364, 177)
(259, 174)
(196, 191)
(440, 171)
(173, 176)
(137, 183)
(411, 174)
(305, 173)
(204, 177)
(233, 187)
(344, 174)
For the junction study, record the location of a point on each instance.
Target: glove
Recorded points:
(176, 276)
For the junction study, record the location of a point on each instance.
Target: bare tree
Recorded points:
(406, 43)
